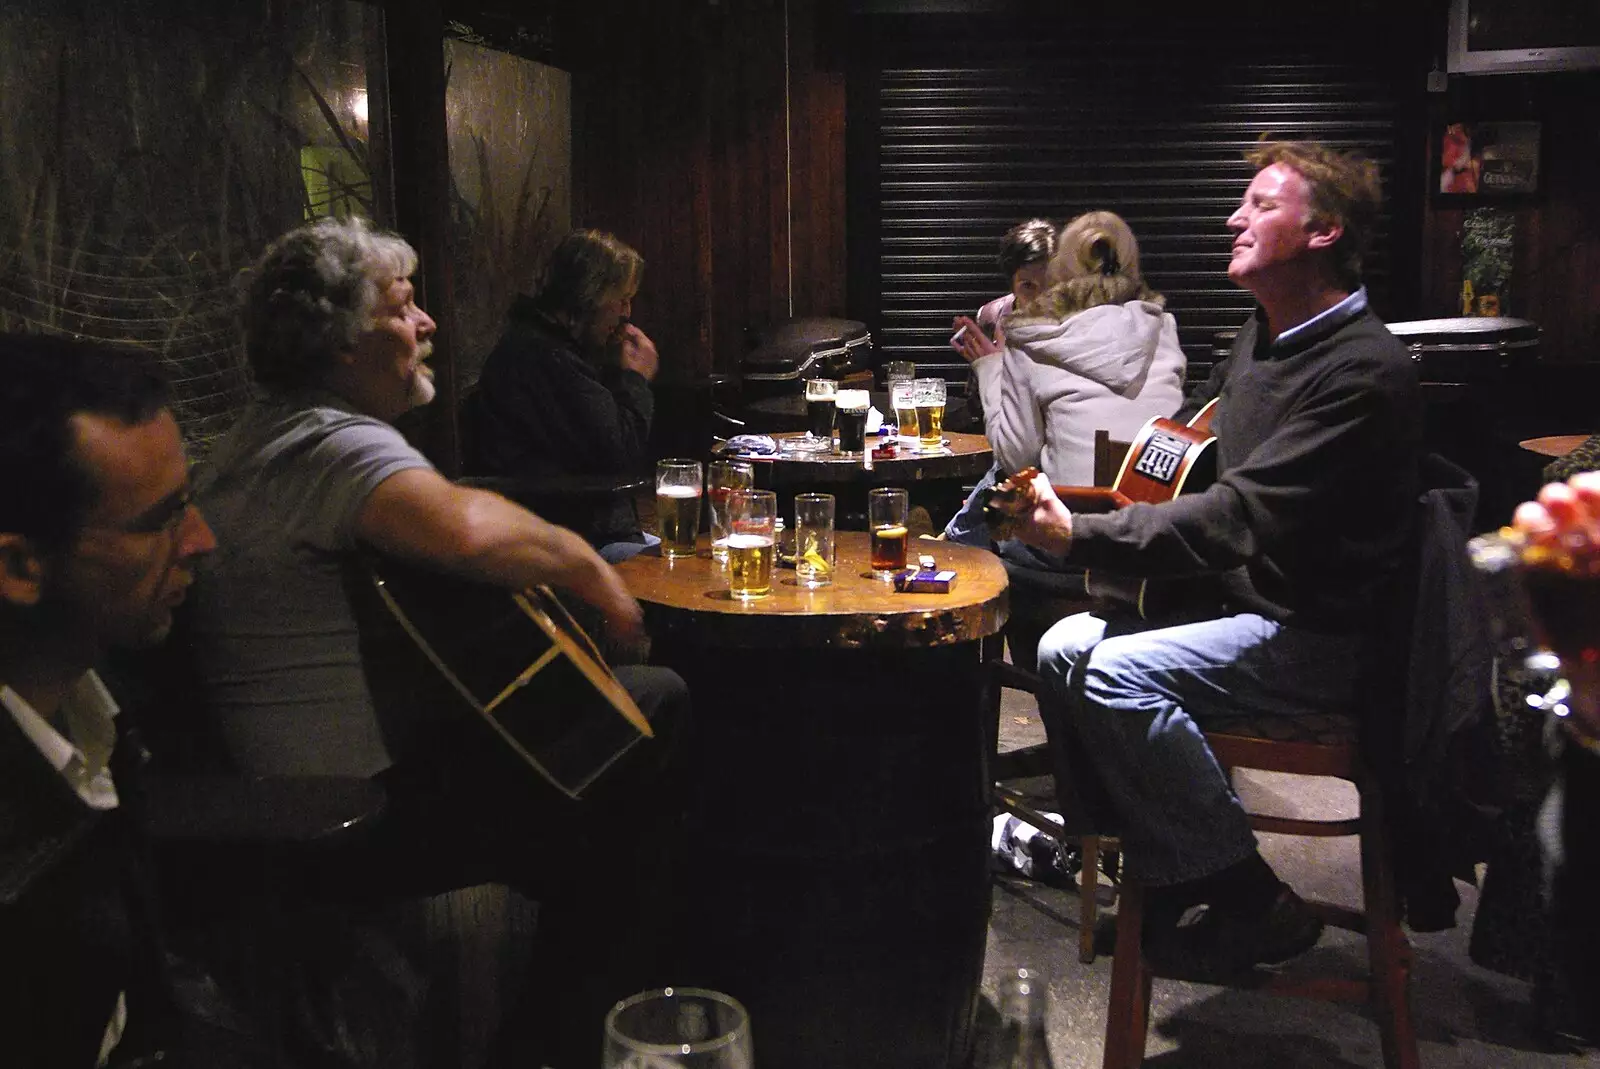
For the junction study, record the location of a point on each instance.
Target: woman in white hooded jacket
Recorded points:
(1095, 352)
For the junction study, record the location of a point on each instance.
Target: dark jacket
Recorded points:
(1429, 738)
(541, 409)
(76, 923)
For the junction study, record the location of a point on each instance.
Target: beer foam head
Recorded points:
(852, 399)
(678, 491)
(743, 540)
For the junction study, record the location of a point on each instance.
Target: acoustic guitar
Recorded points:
(1166, 458)
(518, 662)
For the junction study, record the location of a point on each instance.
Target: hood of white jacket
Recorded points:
(1112, 344)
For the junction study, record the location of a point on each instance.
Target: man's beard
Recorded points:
(422, 387)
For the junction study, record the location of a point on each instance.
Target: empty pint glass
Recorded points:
(819, 408)
(813, 539)
(851, 406)
(886, 526)
(930, 413)
(678, 506)
(752, 542)
(722, 478)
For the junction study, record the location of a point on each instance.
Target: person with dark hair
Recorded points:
(1310, 517)
(1024, 259)
(566, 390)
(99, 541)
(312, 477)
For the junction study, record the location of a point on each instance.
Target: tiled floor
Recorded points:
(1466, 1015)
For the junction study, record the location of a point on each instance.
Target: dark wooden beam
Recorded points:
(414, 30)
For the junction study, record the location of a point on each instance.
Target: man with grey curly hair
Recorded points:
(314, 475)
(313, 296)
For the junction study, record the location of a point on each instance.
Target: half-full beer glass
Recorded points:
(820, 408)
(752, 542)
(852, 408)
(903, 397)
(813, 539)
(722, 478)
(886, 526)
(930, 413)
(678, 485)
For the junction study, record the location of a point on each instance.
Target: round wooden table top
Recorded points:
(1554, 445)
(687, 599)
(967, 456)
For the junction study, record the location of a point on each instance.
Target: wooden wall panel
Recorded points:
(1556, 266)
(680, 148)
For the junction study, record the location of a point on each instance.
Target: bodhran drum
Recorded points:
(1467, 350)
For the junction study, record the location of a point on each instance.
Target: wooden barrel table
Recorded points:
(936, 480)
(838, 882)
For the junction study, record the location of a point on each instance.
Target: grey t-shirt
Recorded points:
(275, 639)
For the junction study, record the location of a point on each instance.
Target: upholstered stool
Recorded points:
(1308, 746)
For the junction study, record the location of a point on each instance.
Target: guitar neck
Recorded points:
(1092, 498)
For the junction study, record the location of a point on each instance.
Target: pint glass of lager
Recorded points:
(903, 396)
(820, 408)
(752, 542)
(852, 408)
(722, 478)
(678, 485)
(886, 525)
(930, 413)
(813, 539)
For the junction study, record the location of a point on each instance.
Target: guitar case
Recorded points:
(784, 354)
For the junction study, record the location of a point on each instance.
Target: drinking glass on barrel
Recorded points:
(677, 1028)
(678, 484)
(752, 542)
(820, 395)
(887, 510)
(813, 539)
(722, 478)
(851, 411)
(930, 414)
(903, 399)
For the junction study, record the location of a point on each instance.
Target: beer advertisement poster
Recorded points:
(1488, 240)
(1488, 159)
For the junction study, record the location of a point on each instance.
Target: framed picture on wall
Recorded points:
(1488, 160)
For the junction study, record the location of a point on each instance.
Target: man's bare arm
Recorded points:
(419, 516)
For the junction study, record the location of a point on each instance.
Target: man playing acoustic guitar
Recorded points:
(1317, 453)
(312, 477)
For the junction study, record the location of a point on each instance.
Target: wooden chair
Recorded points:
(1307, 746)
(1033, 610)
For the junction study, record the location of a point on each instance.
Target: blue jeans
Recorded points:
(1135, 720)
(617, 552)
(967, 528)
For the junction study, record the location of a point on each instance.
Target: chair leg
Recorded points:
(1088, 896)
(1128, 1015)
(1388, 950)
